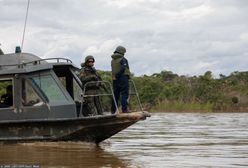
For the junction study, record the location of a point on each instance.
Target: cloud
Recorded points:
(186, 37)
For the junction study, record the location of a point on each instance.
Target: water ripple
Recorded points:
(188, 140)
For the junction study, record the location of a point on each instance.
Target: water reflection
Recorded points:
(62, 154)
(164, 140)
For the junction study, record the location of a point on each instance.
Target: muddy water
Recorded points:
(164, 140)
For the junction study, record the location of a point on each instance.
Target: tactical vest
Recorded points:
(116, 67)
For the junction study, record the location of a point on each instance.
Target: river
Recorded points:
(164, 140)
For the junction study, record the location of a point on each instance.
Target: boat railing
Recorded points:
(135, 93)
(38, 62)
(104, 85)
(109, 92)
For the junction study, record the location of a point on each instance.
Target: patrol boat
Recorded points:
(42, 100)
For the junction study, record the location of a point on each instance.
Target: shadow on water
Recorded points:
(62, 154)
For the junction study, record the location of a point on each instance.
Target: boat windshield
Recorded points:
(29, 96)
(50, 88)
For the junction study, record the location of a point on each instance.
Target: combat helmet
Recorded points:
(86, 60)
(89, 57)
(120, 50)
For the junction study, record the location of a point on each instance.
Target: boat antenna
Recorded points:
(25, 24)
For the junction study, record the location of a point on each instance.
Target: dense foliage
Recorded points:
(166, 91)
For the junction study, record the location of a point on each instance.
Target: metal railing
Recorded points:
(135, 93)
(38, 62)
(111, 93)
(98, 83)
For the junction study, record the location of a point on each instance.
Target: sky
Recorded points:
(187, 37)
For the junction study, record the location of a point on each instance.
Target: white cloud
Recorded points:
(186, 37)
(105, 47)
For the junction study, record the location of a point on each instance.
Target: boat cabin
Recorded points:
(35, 88)
(43, 100)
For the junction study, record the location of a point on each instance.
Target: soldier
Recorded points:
(88, 74)
(120, 76)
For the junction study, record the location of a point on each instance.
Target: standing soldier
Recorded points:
(120, 76)
(88, 74)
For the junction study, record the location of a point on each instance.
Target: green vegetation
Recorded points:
(166, 91)
(3, 86)
(169, 92)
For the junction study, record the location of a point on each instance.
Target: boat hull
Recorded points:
(89, 129)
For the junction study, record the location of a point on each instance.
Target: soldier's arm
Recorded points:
(87, 78)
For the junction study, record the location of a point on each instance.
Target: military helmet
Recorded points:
(120, 50)
(89, 57)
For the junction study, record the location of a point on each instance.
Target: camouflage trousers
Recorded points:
(93, 103)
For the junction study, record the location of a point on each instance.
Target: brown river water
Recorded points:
(164, 140)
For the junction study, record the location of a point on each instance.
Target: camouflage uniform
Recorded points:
(89, 74)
